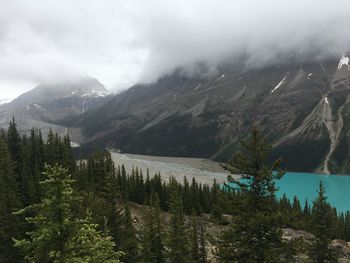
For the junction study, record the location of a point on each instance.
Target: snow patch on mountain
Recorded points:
(221, 77)
(198, 86)
(280, 83)
(4, 101)
(96, 93)
(344, 61)
(74, 144)
(37, 106)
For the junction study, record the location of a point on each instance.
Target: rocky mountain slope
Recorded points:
(47, 106)
(301, 106)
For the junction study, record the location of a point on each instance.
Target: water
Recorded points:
(305, 187)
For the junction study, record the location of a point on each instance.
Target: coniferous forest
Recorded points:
(54, 208)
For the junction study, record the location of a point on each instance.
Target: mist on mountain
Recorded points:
(126, 42)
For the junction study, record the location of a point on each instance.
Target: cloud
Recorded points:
(214, 30)
(122, 42)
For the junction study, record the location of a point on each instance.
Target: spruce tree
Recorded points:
(194, 239)
(216, 209)
(177, 241)
(10, 224)
(27, 182)
(254, 234)
(58, 235)
(153, 248)
(322, 228)
(129, 244)
(14, 145)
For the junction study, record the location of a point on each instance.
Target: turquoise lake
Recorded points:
(305, 186)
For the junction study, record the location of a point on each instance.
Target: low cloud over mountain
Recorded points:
(128, 41)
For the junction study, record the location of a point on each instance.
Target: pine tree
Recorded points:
(58, 235)
(129, 244)
(216, 210)
(194, 239)
(153, 248)
(323, 223)
(10, 224)
(177, 241)
(14, 145)
(36, 160)
(254, 234)
(68, 161)
(27, 183)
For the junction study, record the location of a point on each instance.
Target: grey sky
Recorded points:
(122, 42)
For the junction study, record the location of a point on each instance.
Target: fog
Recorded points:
(122, 42)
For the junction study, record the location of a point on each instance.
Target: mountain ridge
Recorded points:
(46, 106)
(299, 106)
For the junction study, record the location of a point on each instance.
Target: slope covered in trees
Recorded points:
(62, 210)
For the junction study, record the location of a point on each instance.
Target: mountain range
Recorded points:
(46, 106)
(300, 105)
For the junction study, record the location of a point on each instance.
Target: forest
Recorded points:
(54, 208)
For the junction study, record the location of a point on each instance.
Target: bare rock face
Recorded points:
(49, 106)
(301, 106)
(342, 248)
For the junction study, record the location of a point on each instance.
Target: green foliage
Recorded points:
(194, 239)
(10, 225)
(153, 247)
(254, 234)
(129, 244)
(323, 222)
(106, 191)
(58, 235)
(177, 242)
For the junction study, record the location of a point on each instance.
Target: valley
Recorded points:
(302, 107)
(175, 131)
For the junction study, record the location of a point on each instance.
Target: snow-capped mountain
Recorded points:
(48, 106)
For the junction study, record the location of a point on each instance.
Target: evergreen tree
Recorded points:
(177, 241)
(36, 160)
(323, 223)
(10, 225)
(67, 154)
(194, 239)
(153, 248)
(254, 234)
(129, 244)
(58, 235)
(27, 182)
(14, 144)
(216, 210)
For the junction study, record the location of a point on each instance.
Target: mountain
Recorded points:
(4, 101)
(49, 106)
(302, 106)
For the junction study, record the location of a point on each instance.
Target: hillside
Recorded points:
(300, 105)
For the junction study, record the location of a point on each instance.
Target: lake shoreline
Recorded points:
(203, 170)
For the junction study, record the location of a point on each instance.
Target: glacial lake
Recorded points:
(305, 186)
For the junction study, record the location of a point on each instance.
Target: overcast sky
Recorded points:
(122, 42)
